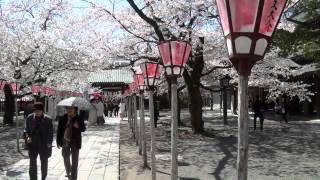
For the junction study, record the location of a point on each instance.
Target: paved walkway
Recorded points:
(98, 159)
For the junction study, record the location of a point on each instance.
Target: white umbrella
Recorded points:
(78, 102)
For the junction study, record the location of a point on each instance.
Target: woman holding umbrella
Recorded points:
(70, 127)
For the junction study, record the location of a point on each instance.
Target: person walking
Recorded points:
(257, 108)
(105, 109)
(39, 134)
(28, 110)
(70, 127)
(284, 109)
(111, 107)
(92, 113)
(100, 112)
(122, 107)
(116, 109)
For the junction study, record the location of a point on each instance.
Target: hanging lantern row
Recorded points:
(152, 73)
(174, 55)
(48, 91)
(15, 86)
(36, 89)
(248, 26)
(139, 82)
(132, 88)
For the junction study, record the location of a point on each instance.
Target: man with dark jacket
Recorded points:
(39, 135)
(69, 138)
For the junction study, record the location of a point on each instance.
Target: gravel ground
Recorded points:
(281, 151)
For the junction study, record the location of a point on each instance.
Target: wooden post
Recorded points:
(243, 127)
(132, 116)
(153, 145)
(135, 119)
(17, 122)
(140, 127)
(129, 111)
(174, 129)
(143, 132)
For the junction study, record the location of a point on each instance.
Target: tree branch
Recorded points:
(209, 89)
(214, 68)
(121, 24)
(147, 19)
(181, 88)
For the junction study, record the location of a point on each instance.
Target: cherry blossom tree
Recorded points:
(140, 25)
(45, 39)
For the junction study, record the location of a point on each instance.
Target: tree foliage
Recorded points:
(304, 40)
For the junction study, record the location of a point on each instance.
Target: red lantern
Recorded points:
(62, 93)
(151, 72)
(2, 83)
(126, 93)
(139, 81)
(174, 55)
(35, 89)
(132, 88)
(46, 91)
(53, 93)
(248, 26)
(15, 87)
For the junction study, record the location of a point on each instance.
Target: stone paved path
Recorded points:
(98, 159)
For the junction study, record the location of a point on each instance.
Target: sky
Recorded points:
(80, 5)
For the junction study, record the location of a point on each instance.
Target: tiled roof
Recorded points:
(111, 76)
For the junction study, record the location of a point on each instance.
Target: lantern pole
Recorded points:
(153, 146)
(139, 124)
(243, 126)
(140, 127)
(131, 116)
(171, 60)
(129, 112)
(17, 76)
(174, 129)
(136, 120)
(17, 118)
(143, 135)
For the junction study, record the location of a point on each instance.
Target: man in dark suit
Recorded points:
(257, 108)
(69, 138)
(39, 135)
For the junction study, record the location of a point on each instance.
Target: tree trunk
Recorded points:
(225, 106)
(192, 81)
(8, 105)
(195, 109)
(235, 102)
